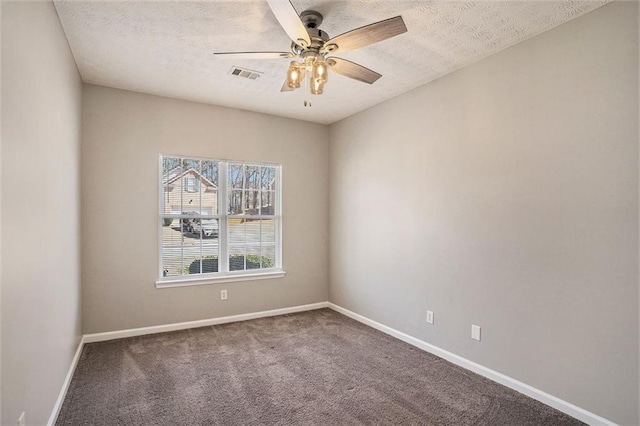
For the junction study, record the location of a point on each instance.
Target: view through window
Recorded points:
(218, 217)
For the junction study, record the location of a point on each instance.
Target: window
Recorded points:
(219, 220)
(191, 183)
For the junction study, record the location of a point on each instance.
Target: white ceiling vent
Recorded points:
(243, 72)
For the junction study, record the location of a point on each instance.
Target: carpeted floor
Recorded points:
(312, 368)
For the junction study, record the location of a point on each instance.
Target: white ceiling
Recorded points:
(165, 47)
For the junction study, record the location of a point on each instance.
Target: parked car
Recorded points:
(187, 222)
(208, 227)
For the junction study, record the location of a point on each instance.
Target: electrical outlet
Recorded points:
(21, 419)
(430, 317)
(223, 294)
(475, 332)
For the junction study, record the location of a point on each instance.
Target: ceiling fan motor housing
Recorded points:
(318, 40)
(311, 20)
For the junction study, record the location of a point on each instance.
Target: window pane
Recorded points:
(235, 229)
(169, 222)
(188, 164)
(172, 249)
(190, 245)
(171, 170)
(236, 201)
(268, 204)
(268, 231)
(252, 202)
(236, 176)
(253, 257)
(268, 178)
(209, 170)
(206, 258)
(245, 236)
(252, 232)
(191, 185)
(210, 254)
(252, 177)
(209, 192)
(268, 256)
(253, 243)
(236, 258)
(205, 228)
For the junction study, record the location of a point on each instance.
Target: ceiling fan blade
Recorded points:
(353, 70)
(290, 21)
(254, 55)
(364, 36)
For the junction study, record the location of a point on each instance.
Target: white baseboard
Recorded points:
(557, 403)
(65, 384)
(111, 335)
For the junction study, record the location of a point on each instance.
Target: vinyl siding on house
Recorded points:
(203, 201)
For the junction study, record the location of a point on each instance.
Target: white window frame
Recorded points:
(223, 274)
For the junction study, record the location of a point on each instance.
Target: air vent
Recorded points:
(243, 72)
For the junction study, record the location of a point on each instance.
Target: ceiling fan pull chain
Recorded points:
(307, 103)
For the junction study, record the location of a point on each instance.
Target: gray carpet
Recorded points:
(316, 367)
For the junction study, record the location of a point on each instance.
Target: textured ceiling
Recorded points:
(165, 47)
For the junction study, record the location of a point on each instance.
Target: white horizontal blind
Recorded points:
(217, 217)
(252, 220)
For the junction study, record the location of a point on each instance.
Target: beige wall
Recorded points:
(41, 117)
(506, 192)
(506, 195)
(123, 133)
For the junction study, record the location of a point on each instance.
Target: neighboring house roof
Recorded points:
(178, 172)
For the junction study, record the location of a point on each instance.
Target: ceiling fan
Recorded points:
(312, 45)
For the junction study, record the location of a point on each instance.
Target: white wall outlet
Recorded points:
(22, 419)
(475, 332)
(223, 294)
(430, 317)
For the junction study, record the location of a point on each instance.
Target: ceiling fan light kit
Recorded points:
(315, 67)
(312, 45)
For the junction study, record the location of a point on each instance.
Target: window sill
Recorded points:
(185, 282)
